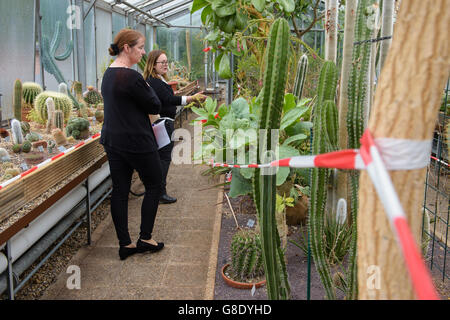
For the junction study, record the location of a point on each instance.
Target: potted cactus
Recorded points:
(247, 268)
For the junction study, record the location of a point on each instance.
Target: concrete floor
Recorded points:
(185, 269)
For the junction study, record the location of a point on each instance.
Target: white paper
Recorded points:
(162, 138)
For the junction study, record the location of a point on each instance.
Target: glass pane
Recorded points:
(89, 48)
(103, 42)
(54, 26)
(118, 22)
(17, 60)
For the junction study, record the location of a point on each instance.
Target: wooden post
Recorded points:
(331, 18)
(406, 105)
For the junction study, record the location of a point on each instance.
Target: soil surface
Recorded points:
(297, 262)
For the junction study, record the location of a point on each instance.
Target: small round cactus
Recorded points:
(99, 115)
(78, 128)
(26, 146)
(17, 148)
(32, 137)
(92, 96)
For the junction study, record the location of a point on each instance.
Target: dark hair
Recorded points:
(125, 36)
(149, 69)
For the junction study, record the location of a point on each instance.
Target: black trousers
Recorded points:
(165, 154)
(148, 166)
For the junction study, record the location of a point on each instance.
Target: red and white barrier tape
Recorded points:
(40, 165)
(369, 157)
(420, 277)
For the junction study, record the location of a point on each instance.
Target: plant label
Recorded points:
(41, 149)
(62, 148)
(24, 166)
(250, 223)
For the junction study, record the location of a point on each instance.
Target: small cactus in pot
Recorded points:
(246, 256)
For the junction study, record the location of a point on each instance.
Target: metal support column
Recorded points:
(39, 32)
(81, 56)
(10, 271)
(88, 211)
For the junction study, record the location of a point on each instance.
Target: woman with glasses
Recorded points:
(129, 142)
(155, 73)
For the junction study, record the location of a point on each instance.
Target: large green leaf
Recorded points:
(200, 111)
(198, 4)
(224, 67)
(206, 14)
(283, 172)
(210, 105)
(297, 137)
(291, 116)
(259, 4)
(289, 102)
(213, 35)
(287, 5)
(224, 8)
(239, 185)
(247, 173)
(240, 107)
(217, 61)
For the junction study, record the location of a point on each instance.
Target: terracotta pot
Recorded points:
(173, 84)
(237, 284)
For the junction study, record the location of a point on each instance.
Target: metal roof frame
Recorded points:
(160, 11)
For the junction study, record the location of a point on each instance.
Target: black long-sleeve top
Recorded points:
(128, 100)
(165, 93)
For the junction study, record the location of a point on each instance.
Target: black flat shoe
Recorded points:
(165, 199)
(125, 252)
(144, 246)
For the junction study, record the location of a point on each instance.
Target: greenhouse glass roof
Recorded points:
(162, 11)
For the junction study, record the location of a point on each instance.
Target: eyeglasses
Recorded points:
(163, 62)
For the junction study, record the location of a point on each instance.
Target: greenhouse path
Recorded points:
(185, 269)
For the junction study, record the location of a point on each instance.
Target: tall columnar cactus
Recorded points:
(357, 91)
(78, 90)
(246, 256)
(325, 137)
(50, 112)
(17, 103)
(49, 56)
(59, 119)
(302, 68)
(16, 130)
(62, 102)
(92, 96)
(30, 90)
(264, 183)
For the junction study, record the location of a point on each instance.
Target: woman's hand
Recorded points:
(198, 97)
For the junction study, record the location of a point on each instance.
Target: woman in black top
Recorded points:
(155, 74)
(129, 142)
